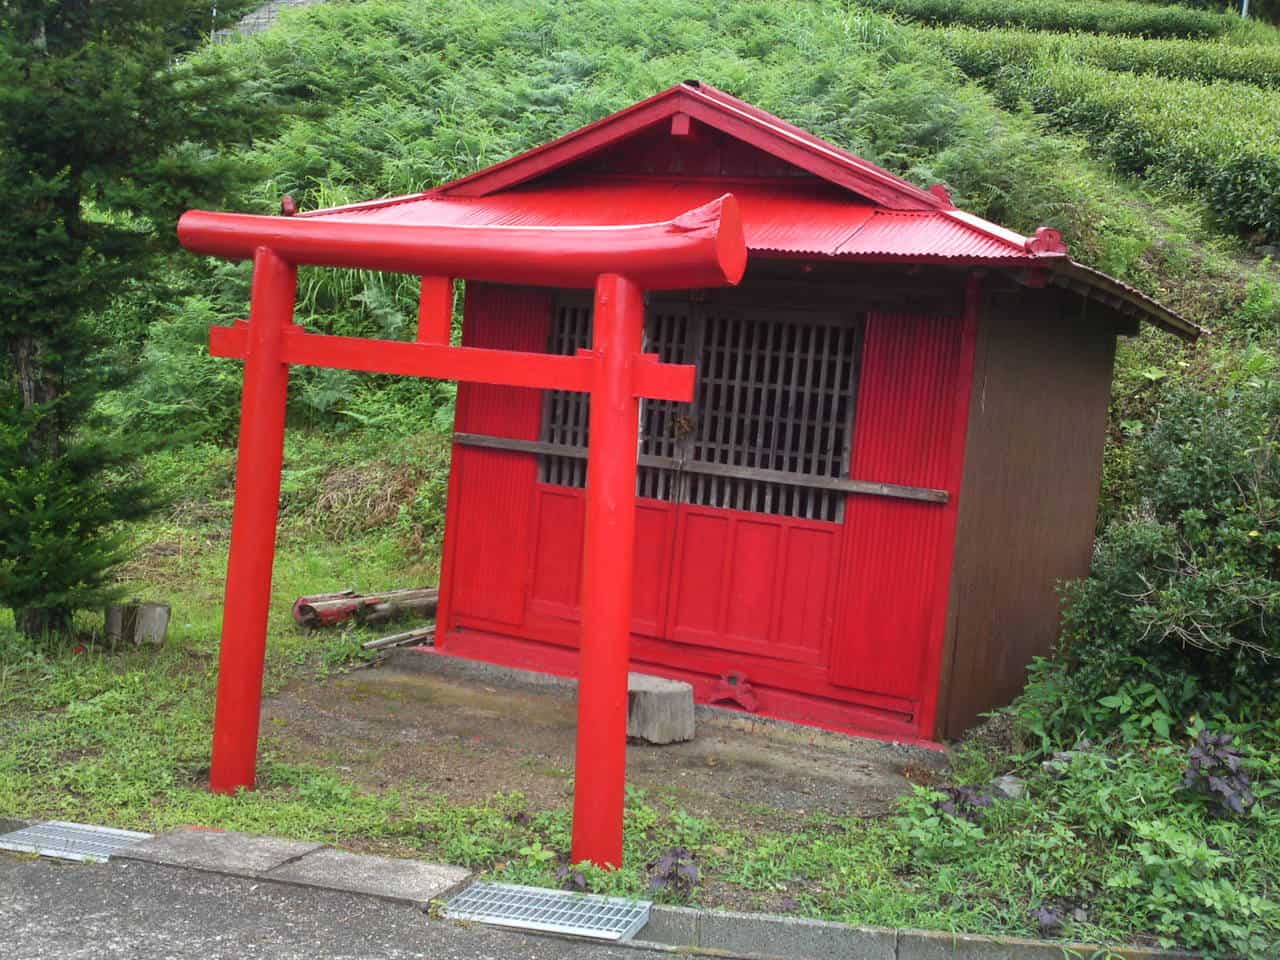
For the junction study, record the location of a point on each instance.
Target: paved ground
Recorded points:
(51, 910)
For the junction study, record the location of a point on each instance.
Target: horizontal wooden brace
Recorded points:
(546, 371)
(664, 381)
(864, 487)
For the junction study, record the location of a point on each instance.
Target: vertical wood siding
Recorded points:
(896, 550)
(1029, 498)
(490, 490)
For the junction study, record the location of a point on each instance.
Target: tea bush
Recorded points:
(1221, 139)
(1094, 16)
(981, 53)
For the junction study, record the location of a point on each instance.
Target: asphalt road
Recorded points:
(53, 909)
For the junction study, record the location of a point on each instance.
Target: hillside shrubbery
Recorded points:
(1094, 16)
(980, 53)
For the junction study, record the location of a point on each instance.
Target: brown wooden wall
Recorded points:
(1028, 500)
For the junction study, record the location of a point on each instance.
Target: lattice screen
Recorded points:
(664, 424)
(775, 393)
(773, 408)
(564, 413)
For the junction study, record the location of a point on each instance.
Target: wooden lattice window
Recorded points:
(770, 425)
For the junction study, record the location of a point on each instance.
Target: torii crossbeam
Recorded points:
(702, 248)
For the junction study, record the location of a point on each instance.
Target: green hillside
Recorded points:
(1148, 133)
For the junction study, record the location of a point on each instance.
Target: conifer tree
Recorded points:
(106, 134)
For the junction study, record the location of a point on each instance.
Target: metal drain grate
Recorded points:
(555, 911)
(70, 841)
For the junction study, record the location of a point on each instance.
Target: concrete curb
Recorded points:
(761, 936)
(676, 930)
(299, 864)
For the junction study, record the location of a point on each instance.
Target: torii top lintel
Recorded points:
(703, 247)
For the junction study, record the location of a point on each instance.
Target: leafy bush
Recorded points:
(1112, 841)
(1215, 767)
(1181, 611)
(1095, 16)
(980, 53)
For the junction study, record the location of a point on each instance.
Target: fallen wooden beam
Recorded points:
(421, 636)
(417, 604)
(324, 609)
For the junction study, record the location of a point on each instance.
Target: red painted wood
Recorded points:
(556, 562)
(801, 679)
(556, 579)
(655, 529)
(490, 533)
(703, 556)
(253, 527)
(752, 126)
(608, 559)
(703, 247)
(963, 384)
(735, 584)
(806, 573)
(749, 599)
(661, 381)
(438, 361)
(653, 657)
(435, 310)
(896, 551)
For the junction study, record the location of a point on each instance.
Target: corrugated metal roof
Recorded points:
(850, 210)
(777, 218)
(892, 233)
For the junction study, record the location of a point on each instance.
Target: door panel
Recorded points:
(703, 541)
(749, 605)
(753, 584)
(556, 561)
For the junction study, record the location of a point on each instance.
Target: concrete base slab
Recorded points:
(402, 881)
(217, 851)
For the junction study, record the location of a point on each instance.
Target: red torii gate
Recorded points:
(701, 248)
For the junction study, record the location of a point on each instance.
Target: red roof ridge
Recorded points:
(717, 109)
(727, 101)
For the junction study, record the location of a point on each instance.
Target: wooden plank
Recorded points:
(869, 488)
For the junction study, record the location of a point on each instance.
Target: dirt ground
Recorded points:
(464, 730)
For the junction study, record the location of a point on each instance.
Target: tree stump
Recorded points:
(659, 710)
(137, 623)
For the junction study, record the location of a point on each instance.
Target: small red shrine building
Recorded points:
(892, 456)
